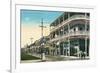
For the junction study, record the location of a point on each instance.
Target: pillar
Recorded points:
(86, 37)
(63, 48)
(63, 17)
(68, 47)
(69, 36)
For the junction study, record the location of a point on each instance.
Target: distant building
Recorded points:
(36, 47)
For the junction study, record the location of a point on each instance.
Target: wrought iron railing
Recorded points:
(68, 20)
(76, 33)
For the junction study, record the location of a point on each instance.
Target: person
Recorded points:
(84, 55)
(81, 54)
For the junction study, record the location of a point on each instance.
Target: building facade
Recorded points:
(70, 34)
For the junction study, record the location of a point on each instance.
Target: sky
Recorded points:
(33, 17)
(30, 22)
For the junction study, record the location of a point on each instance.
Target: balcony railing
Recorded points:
(74, 17)
(76, 33)
(79, 33)
(78, 16)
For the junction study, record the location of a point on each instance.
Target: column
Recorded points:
(63, 17)
(68, 47)
(85, 37)
(56, 48)
(63, 48)
(86, 46)
(59, 48)
(69, 36)
(78, 49)
(63, 30)
(49, 51)
(68, 24)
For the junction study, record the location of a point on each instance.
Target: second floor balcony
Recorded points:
(70, 34)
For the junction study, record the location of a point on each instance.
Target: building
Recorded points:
(39, 46)
(69, 34)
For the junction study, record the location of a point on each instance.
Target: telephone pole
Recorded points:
(42, 44)
(42, 26)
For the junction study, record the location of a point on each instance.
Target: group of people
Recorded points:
(82, 55)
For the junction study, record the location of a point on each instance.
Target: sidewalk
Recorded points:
(53, 58)
(64, 58)
(60, 57)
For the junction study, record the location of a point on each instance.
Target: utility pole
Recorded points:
(42, 52)
(42, 26)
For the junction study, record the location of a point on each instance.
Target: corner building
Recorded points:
(70, 34)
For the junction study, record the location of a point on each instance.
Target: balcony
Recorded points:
(78, 33)
(70, 34)
(74, 17)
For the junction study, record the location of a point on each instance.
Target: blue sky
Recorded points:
(33, 17)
